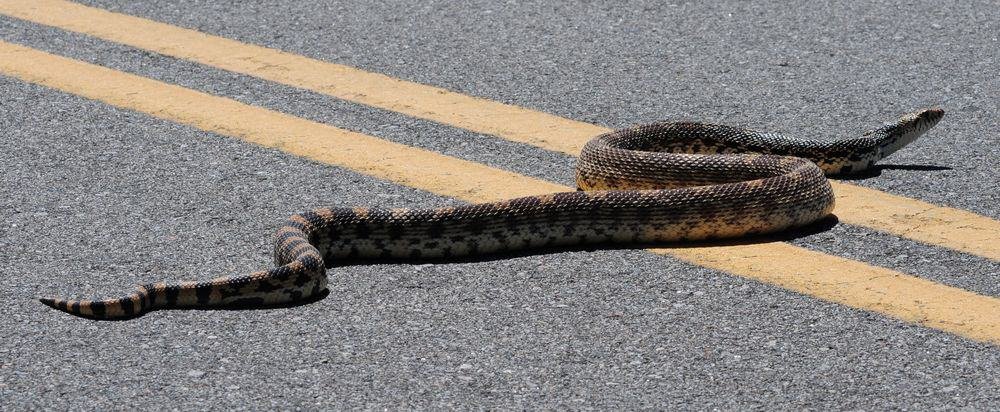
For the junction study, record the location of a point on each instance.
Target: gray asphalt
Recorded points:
(97, 199)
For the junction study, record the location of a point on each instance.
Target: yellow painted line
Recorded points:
(914, 219)
(336, 80)
(855, 284)
(366, 154)
(936, 225)
(831, 278)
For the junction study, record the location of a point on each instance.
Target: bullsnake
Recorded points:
(662, 182)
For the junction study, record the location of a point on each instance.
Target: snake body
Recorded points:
(663, 182)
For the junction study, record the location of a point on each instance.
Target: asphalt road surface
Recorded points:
(97, 198)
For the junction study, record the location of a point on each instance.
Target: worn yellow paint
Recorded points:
(824, 276)
(855, 284)
(932, 224)
(909, 218)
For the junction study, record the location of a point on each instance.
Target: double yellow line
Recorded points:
(827, 277)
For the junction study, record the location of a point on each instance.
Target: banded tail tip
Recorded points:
(51, 302)
(112, 309)
(73, 307)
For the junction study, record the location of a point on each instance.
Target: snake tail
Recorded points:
(121, 308)
(300, 274)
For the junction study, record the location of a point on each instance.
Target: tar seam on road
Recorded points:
(921, 221)
(827, 277)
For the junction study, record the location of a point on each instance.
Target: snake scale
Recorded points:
(663, 182)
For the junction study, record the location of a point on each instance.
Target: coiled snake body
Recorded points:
(662, 182)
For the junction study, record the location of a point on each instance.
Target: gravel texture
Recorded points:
(97, 199)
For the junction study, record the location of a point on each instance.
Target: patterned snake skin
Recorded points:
(662, 182)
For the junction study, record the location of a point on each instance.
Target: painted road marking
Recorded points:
(827, 277)
(921, 221)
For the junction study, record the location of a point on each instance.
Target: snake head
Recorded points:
(922, 120)
(908, 128)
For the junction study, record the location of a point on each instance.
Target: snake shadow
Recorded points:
(819, 226)
(784, 236)
(878, 169)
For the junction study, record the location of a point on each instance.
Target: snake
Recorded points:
(649, 184)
